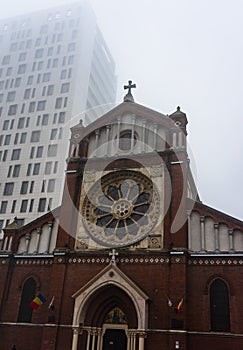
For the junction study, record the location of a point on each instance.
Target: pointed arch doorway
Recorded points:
(110, 317)
(114, 339)
(110, 313)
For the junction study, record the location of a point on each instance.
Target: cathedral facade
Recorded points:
(132, 259)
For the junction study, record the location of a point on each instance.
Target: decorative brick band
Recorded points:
(151, 260)
(34, 262)
(216, 262)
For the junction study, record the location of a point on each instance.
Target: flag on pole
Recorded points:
(37, 301)
(51, 305)
(179, 306)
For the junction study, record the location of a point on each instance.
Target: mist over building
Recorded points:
(55, 70)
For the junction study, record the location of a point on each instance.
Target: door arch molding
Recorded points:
(110, 278)
(103, 301)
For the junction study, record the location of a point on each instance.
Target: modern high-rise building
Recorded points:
(55, 69)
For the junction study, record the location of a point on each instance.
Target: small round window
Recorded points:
(127, 140)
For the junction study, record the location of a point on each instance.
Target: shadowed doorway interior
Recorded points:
(115, 339)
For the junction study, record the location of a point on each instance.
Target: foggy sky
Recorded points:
(186, 53)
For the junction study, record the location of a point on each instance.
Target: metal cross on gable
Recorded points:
(129, 87)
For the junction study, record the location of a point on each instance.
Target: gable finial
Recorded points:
(129, 96)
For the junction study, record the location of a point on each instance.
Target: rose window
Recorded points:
(121, 208)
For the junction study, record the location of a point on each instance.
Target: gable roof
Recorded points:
(217, 215)
(128, 107)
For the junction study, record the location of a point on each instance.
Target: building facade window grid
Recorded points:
(32, 50)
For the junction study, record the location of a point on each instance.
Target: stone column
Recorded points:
(133, 132)
(27, 242)
(118, 134)
(97, 134)
(50, 224)
(216, 236)
(202, 232)
(88, 339)
(180, 139)
(143, 136)
(10, 243)
(93, 333)
(99, 340)
(5, 243)
(188, 212)
(108, 127)
(231, 241)
(72, 150)
(142, 335)
(131, 344)
(75, 338)
(37, 243)
(76, 150)
(128, 341)
(155, 126)
(174, 139)
(134, 341)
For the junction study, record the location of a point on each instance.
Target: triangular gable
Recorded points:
(111, 275)
(133, 108)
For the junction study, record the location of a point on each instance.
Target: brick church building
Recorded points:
(132, 259)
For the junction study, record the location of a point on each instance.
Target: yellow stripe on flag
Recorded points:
(37, 301)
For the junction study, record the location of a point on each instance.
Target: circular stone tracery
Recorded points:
(121, 208)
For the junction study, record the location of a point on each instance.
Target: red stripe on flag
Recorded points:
(34, 305)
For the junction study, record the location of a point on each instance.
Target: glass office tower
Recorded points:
(55, 69)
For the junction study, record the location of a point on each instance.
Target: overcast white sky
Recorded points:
(187, 53)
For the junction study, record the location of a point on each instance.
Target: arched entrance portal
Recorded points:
(109, 316)
(110, 313)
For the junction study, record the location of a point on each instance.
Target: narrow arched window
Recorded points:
(219, 304)
(28, 294)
